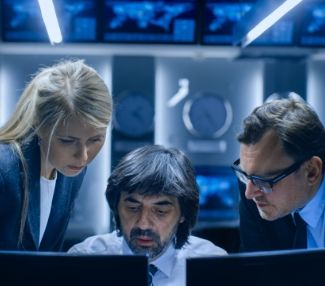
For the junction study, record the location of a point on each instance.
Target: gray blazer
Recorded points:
(11, 198)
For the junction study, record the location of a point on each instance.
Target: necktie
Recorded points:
(152, 271)
(300, 239)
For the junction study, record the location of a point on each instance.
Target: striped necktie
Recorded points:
(300, 239)
(152, 271)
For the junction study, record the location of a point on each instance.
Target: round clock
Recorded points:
(134, 113)
(207, 115)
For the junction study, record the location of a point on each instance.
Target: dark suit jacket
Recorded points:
(257, 234)
(11, 197)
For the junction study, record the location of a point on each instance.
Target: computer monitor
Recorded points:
(274, 268)
(221, 18)
(22, 20)
(219, 194)
(162, 21)
(53, 269)
(312, 27)
(282, 33)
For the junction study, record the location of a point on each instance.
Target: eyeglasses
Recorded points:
(265, 185)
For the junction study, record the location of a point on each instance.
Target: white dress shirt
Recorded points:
(47, 188)
(171, 265)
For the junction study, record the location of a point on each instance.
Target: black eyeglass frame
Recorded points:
(271, 182)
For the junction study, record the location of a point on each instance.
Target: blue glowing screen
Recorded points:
(219, 20)
(22, 20)
(313, 25)
(218, 193)
(150, 21)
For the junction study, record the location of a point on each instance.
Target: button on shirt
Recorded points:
(171, 265)
(314, 215)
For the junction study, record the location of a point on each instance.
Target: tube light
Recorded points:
(269, 21)
(50, 21)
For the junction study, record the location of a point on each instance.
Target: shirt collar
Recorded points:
(313, 210)
(165, 263)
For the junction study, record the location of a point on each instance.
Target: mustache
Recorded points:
(144, 232)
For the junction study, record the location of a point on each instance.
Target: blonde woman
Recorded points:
(57, 129)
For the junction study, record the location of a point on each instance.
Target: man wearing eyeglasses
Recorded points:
(280, 170)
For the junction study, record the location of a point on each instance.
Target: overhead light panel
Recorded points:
(264, 15)
(51, 21)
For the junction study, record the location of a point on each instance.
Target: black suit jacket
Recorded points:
(257, 234)
(11, 182)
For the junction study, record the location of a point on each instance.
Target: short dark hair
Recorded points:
(295, 123)
(154, 169)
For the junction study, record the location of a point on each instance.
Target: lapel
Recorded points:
(32, 155)
(66, 189)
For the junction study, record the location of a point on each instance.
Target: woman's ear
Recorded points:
(314, 169)
(182, 219)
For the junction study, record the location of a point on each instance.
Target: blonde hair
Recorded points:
(69, 88)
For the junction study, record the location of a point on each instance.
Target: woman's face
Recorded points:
(73, 146)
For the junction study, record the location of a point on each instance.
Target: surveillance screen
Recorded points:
(150, 21)
(78, 19)
(22, 20)
(219, 19)
(313, 25)
(219, 196)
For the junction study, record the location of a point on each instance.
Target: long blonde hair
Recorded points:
(54, 94)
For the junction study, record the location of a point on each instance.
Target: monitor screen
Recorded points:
(53, 269)
(219, 19)
(281, 268)
(282, 33)
(219, 195)
(78, 19)
(312, 28)
(22, 20)
(165, 21)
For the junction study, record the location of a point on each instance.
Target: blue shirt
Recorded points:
(314, 215)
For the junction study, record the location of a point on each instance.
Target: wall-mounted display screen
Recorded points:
(157, 21)
(218, 194)
(22, 20)
(219, 18)
(312, 31)
(280, 34)
(78, 19)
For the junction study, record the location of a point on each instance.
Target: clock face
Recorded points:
(134, 114)
(207, 115)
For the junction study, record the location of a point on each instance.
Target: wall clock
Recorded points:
(207, 115)
(134, 114)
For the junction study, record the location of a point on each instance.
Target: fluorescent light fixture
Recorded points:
(262, 15)
(50, 21)
(270, 20)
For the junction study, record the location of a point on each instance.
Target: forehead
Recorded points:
(75, 127)
(265, 156)
(149, 199)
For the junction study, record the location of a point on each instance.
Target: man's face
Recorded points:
(149, 223)
(268, 159)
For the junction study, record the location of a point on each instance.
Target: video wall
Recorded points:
(202, 22)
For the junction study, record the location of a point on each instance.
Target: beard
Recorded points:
(158, 247)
